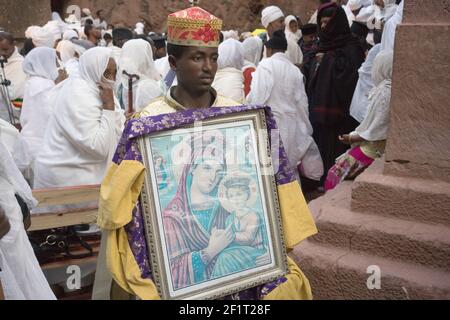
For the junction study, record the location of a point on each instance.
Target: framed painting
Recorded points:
(211, 209)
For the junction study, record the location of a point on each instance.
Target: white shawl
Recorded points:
(360, 101)
(279, 84)
(20, 273)
(137, 58)
(253, 48)
(376, 124)
(14, 73)
(388, 38)
(81, 137)
(40, 66)
(229, 79)
(295, 37)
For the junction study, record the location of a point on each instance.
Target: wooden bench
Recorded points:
(67, 217)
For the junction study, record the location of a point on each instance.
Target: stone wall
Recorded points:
(237, 14)
(16, 16)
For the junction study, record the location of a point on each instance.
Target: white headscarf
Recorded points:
(93, 64)
(389, 31)
(42, 38)
(390, 7)
(70, 34)
(253, 47)
(139, 28)
(376, 124)
(41, 62)
(270, 14)
(66, 50)
(54, 27)
(287, 31)
(230, 34)
(354, 4)
(30, 31)
(231, 54)
(137, 58)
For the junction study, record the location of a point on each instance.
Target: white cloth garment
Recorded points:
(163, 67)
(54, 27)
(15, 74)
(313, 18)
(376, 124)
(230, 34)
(70, 53)
(229, 79)
(390, 27)
(20, 273)
(70, 34)
(270, 14)
(137, 58)
(390, 8)
(30, 31)
(279, 84)
(16, 146)
(294, 52)
(295, 37)
(360, 101)
(116, 53)
(81, 137)
(42, 38)
(253, 48)
(40, 66)
(139, 28)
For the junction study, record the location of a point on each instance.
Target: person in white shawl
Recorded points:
(229, 80)
(390, 27)
(13, 72)
(41, 67)
(278, 84)
(272, 18)
(360, 101)
(292, 30)
(137, 58)
(369, 139)
(70, 54)
(21, 277)
(253, 50)
(82, 135)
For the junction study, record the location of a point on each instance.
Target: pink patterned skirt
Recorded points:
(348, 166)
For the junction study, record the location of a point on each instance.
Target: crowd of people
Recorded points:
(73, 85)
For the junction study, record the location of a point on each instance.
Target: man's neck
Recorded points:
(94, 40)
(192, 100)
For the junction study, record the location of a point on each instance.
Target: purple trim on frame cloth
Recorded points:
(128, 150)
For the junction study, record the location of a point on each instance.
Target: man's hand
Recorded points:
(107, 97)
(345, 139)
(4, 224)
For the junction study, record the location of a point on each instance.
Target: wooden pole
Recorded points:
(2, 296)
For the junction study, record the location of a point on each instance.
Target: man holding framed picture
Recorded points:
(208, 217)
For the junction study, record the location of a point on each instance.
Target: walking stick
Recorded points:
(2, 296)
(130, 90)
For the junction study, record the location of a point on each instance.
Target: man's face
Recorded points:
(160, 53)
(275, 25)
(6, 48)
(100, 15)
(206, 176)
(380, 3)
(309, 38)
(324, 22)
(97, 33)
(196, 68)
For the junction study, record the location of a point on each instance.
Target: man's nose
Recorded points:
(207, 66)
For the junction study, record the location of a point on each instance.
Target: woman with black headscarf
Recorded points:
(333, 81)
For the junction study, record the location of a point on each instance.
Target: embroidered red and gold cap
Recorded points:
(193, 27)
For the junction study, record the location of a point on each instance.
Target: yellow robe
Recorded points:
(120, 192)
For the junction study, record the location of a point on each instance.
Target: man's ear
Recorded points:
(173, 63)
